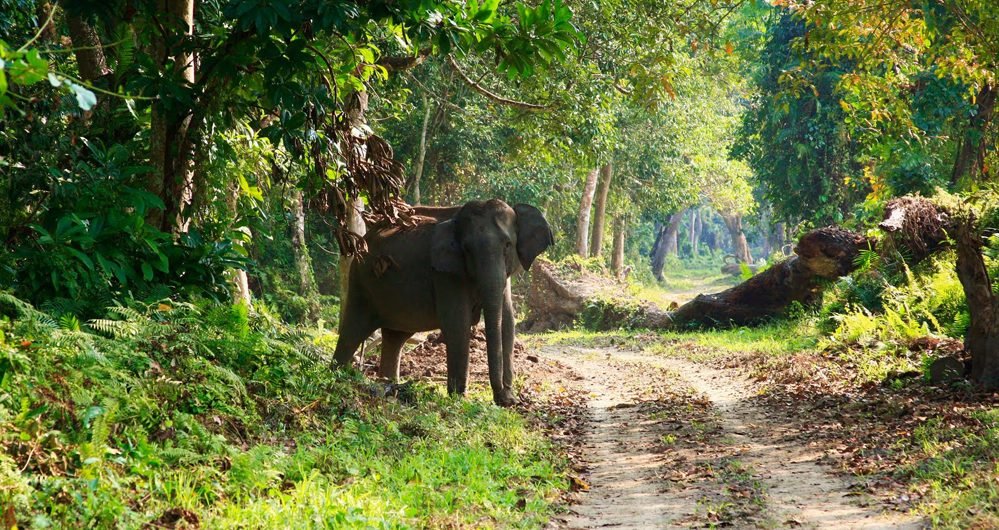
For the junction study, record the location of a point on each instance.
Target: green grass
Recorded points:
(237, 422)
(682, 281)
(959, 472)
(780, 338)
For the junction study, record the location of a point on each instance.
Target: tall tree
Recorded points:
(583, 218)
(617, 255)
(600, 213)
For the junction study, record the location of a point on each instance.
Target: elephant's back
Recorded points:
(403, 242)
(397, 278)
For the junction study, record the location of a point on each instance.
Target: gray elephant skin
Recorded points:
(444, 274)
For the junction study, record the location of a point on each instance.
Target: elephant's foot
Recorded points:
(504, 398)
(455, 388)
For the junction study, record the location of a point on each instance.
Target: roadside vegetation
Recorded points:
(201, 414)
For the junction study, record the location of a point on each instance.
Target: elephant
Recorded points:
(444, 273)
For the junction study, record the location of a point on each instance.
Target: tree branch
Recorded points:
(532, 107)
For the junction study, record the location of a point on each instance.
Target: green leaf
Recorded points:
(147, 271)
(82, 257)
(29, 71)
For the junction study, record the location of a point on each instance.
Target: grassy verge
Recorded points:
(208, 416)
(780, 338)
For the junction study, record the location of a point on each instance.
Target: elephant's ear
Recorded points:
(533, 234)
(445, 252)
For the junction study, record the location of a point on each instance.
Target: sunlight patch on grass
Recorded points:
(958, 480)
(778, 338)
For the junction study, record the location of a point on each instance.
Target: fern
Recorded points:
(126, 313)
(125, 46)
(962, 321)
(62, 306)
(113, 328)
(128, 325)
(91, 355)
(100, 430)
(15, 307)
(226, 375)
(69, 322)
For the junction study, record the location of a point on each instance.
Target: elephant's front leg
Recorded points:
(457, 343)
(455, 318)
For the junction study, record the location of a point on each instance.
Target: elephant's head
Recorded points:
(487, 241)
(483, 244)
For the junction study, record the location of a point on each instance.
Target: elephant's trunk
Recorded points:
(492, 294)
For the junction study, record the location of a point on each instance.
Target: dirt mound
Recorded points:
(561, 292)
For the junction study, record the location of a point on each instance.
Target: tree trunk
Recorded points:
(693, 233)
(48, 33)
(242, 282)
(672, 240)
(422, 155)
(583, 220)
(303, 263)
(172, 149)
(88, 49)
(659, 252)
(740, 247)
(597, 237)
(357, 106)
(617, 257)
(780, 237)
(982, 338)
(355, 224)
(971, 153)
(920, 228)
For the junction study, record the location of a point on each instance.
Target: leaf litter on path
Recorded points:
(674, 444)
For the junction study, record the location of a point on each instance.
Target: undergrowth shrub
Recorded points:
(602, 314)
(929, 301)
(238, 419)
(573, 264)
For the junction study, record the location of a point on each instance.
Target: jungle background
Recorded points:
(182, 185)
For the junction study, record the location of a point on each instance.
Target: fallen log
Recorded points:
(914, 228)
(557, 299)
(820, 255)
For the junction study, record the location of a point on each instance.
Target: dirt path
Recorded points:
(675, 444)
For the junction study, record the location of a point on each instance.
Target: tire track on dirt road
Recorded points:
(629, 463)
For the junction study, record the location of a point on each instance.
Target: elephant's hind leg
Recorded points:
(356, 324)
(392, 343)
